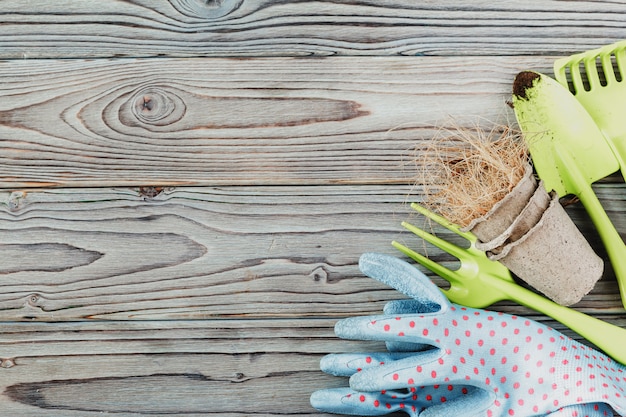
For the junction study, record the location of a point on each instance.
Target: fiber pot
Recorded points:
(505, 211)
(526, 220)
(554, 257)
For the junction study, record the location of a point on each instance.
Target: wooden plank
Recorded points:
(184, 28)
(215, 367)
(228, 122)
(192, 252)
(197, 253)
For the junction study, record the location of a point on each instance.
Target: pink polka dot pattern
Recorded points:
(479, 363)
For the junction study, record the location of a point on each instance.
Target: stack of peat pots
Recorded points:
(531, 234)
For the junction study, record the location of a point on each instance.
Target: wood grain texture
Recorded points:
(197, 368)
(228, 122)
(193, 253)
(191, 28)
(230, 252)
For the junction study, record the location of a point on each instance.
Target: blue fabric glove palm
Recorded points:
(444, 359)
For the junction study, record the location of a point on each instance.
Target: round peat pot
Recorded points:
(527, 219)
(505, 211)
(554, 257)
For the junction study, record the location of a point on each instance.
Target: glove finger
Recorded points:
(399, 307)
(420, 369)
(347, 364)
(583, 410)
(407, 347)
(405, 278)
(429, 401)
(407, 328)
(409, 306)
(474, 403)
(347, 401)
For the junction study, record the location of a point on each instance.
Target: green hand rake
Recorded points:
(480, 282)
(596, 78)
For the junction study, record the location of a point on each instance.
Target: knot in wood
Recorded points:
(16, 201)
(157, 106)
(34, 299)
(319, 275)
(149, 192)
(7, 363)
(206, 9)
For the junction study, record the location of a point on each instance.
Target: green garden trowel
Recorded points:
(569, 153)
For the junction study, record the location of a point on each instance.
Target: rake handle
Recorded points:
(607, 337)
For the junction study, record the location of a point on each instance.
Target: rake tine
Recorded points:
(443, 222)
(607, 68)
(592, 72)
(620, 59)
(449, 247)
(438, 269)
(577, 78)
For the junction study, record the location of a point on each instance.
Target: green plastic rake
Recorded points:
(596, 78)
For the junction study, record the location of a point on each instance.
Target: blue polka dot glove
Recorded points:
(446, 360)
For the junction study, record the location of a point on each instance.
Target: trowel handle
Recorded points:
(611, 239)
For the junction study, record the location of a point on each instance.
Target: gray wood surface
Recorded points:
(200, 253)
(190, 28)
(280, 121)
(194, 252)
(209, 367)
(186, 186)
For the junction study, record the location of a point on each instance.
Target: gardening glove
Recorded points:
(444, 359)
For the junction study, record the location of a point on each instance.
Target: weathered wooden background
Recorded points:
(187, 185)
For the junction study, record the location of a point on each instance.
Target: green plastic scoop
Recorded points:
(569, 153)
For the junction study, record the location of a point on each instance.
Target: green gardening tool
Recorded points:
(596, 78)
(569, 153)
(480, 282)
